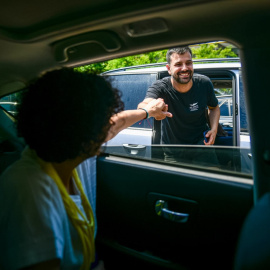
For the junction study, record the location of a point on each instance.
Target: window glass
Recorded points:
(133, 88)
(224, 92)
(10, 103)
(230, 159)
(243, 111)
(142, 140)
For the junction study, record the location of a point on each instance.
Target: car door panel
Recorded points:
(127, 194)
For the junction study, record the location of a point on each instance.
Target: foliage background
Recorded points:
(201, 51)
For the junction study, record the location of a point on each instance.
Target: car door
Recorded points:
(171, 216)
(166, 216)
(161, 215)
(175, 216)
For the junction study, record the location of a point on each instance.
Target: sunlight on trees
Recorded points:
(212, 50)
(202, 51)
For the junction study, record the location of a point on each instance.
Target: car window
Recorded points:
(232, 148)
(231, 160)
(137, 141)
(243, 111)
(9, 103)
(224, 93)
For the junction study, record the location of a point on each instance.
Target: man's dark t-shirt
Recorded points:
(188, 122)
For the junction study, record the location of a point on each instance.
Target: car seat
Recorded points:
(253, 251)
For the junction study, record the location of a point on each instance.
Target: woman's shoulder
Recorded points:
(25, 178)
(21, 171)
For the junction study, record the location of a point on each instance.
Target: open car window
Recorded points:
(140, 141)
(232, 145)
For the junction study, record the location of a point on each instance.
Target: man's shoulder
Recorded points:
(159, 88)
(201, 78)
(202, 81)
(163, 83)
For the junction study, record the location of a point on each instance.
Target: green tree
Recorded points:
(140, 59)
(211, 50)
(93, 68)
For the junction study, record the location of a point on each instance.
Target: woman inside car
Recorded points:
(47, 218)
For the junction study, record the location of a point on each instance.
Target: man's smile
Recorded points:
(184, 74)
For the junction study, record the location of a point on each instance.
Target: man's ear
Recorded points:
(168, 68)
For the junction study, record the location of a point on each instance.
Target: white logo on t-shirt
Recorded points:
(194, 107)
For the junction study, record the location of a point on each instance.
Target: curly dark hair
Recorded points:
(65, 113)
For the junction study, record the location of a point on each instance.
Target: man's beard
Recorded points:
(183, 80)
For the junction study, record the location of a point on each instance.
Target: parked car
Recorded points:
(134, 81)
(152, 214)
(226, 78)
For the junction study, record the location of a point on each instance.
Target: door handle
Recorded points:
(162, 210)
(134, 149)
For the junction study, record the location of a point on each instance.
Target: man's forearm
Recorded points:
(214, 115)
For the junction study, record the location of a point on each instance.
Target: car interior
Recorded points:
(225, 218)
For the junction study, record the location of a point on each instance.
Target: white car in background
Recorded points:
(134, 81)
(225, 75)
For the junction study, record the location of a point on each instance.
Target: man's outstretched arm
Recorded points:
(158, 117)
(154, 108)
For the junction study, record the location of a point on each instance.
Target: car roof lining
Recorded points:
(30, 47)
(31, 16)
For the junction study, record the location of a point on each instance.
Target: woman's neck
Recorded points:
(64, 170)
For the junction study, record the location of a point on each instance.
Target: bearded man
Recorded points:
(188, 95)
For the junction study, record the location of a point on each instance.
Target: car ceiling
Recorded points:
(36, 36)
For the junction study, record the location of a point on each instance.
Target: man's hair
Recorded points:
(178, 50)
(66, 113)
